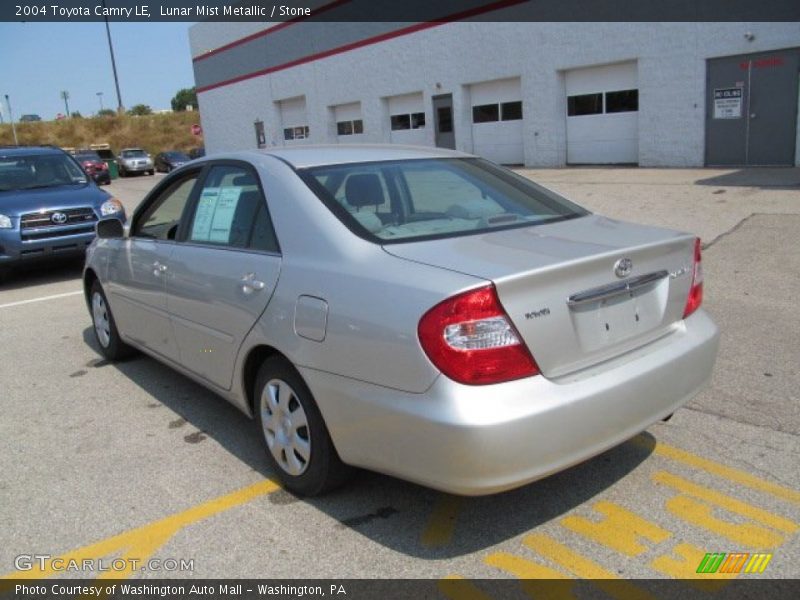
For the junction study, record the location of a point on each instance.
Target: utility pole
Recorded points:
(100, 96)
(65, 96)
(120, 108)
(11, 118)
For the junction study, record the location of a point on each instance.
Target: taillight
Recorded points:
(471, 340)
(695, 298)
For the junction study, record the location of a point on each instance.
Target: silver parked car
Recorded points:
(134, 160)
(418, 312)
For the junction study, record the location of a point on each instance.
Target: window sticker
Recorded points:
(214, 216)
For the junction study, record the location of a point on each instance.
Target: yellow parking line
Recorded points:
(143, 541)
(735, 475)
(538, 581)
(700, 514)
(458, 588)
(442, 522)
(584, 568)
(685, 567)
(619, 530)
(731, 504)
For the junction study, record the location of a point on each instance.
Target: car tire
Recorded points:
(121, 172)
(151, 172)
(105, 328)
(295, 438)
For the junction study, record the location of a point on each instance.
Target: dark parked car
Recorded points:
(197, 152)
(168, 161)
(94, 166)
(29, 118)
(48, 206)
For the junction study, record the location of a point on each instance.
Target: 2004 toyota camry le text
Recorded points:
(418, 312)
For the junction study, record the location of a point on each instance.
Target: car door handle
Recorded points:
(249, 284)
(159, 269)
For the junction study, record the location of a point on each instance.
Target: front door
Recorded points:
(223, 271)
(443, 120)
(751, 109)
(137, 278)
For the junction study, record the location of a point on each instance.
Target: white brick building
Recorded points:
(539, 94)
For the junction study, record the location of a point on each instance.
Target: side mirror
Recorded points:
(109, 228)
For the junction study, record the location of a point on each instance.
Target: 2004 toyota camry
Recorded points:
(418, 312)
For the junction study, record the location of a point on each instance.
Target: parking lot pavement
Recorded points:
(107, 460)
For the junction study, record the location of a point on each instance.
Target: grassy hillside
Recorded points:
(154, 133)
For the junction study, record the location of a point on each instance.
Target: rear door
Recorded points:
(138, 270)
(223, 271)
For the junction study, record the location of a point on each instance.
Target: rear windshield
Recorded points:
(39, 171)
(176, 156)
(411, 200)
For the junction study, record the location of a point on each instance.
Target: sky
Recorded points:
(39, 60)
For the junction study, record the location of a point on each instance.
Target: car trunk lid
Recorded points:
(558, 284)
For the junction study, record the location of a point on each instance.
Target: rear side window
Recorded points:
(232, 212)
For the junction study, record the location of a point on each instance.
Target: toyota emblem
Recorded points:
(58, 218)
(623, 267)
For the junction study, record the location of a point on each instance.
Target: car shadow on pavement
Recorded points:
(42, 273)
(401, 516)
(780, 178)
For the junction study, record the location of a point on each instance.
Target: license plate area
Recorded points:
(607, 321)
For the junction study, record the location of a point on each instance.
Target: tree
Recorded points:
(140, 110)
(106, 112)
(76, 115)
(183, 98)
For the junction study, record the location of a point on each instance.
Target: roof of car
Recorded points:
(314, 156)
(27, 150)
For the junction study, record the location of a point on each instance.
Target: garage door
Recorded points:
(497, 120)
(603, 115)
(349, 122)
(407, 119)
(294, 120)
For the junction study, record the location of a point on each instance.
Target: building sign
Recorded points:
(728, 103)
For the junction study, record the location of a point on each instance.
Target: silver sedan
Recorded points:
(418, 312)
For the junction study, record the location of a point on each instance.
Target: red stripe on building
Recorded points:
(354, 45)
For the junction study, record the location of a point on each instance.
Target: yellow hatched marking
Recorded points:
(619, 530)
(458, 588)
(686, 568)
(530, 572)
(731, 504)
(735, 475)
(143, 541)
(700, 514)
(583, 567)
(442, 522)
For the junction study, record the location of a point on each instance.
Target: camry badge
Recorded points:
(623, 267)
(58, 218)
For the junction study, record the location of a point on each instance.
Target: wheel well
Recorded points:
(251, 365)
(89, 277)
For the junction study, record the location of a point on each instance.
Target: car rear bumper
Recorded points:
(484, 439)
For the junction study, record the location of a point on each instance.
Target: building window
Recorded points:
(412, 121)
(622, 101)
(511, 111)
(349, 127)
(485, 113)
(401, 122)
(296, 133)
(585, 104)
